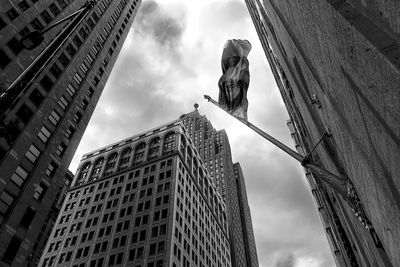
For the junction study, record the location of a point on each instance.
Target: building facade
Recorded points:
(245, 216)
(215, 150)
(50, 220)
(41, 130)
(144, 201)
(336, 64)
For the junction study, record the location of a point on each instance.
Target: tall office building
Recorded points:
(50, 220)
(215, 150)
(245, 216)
(336, 64)
(147, 200)
(40, 131)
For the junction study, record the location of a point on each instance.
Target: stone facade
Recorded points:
(336, 64)
(214, 148)
(144, 201)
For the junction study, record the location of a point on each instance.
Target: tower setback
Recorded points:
(147, 200)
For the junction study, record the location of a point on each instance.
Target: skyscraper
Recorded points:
(40, 131)
(147, 200)
(245, 217)
(336, 64)
(215, 150)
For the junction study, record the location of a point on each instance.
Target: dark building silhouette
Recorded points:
(245, 216)
(50, 220)
(336, 64)
(41, 130)
(147, 200)
(215, 150)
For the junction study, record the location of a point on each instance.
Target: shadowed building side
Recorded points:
(336, 67)
(40, 131)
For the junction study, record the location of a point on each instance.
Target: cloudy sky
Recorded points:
(170, 58)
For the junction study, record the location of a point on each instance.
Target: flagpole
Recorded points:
(337, 183)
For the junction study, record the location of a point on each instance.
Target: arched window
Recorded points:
(111, 162)
(125, 158)
(182, 147)
(139, 153)
(84, 173)
(97, 168)
(154, 147)
(169, 143)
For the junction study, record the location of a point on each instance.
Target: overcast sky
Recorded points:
(170, 58)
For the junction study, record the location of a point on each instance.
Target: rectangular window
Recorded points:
(61, 149)
(32, 154)
(55, 70)
(24, 113)
(36, 24)
(36, 97)
(62, 3)
(90, 92)
(54, 9)
(46, 83)
(40, 191)
(83, 68)
(12, 249)
(63, 103)
(19, 176)
(71, 90)
(64, 60)
(77, 117)
(70, 50)
(77, 41)
(70, 132)
(96, 81)
(12, 14)
(4, 59)
(44, 134)
(90, 23)
(84, 104)
(54, 117)
(2, 24)
(83, 33)
(15, 46)
(28, 217)
(46, 16)
(77, 78)
(89, 59)
(6, 200)
(51, 169)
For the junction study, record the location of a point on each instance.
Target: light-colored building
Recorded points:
(214, 148)
(147, 200)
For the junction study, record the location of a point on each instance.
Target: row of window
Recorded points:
(127, 156)
(45, 17)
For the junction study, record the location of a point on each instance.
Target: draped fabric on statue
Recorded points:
(235, 78)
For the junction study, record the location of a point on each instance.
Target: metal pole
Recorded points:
(62, 20)
(336, 182)
(32, 71)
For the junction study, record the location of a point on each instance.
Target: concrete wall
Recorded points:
(345, 53)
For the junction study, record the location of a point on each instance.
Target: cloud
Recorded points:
(170, 58)
(158, 22)
(287, 260)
